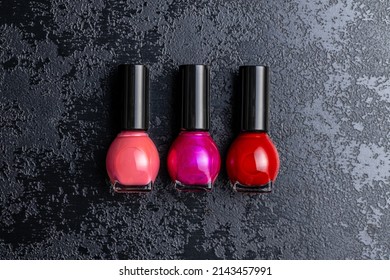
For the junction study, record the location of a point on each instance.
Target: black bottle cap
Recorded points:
(135, 97)
(254, 103)
(195, 87)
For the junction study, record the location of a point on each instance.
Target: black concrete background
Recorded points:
(330, 107)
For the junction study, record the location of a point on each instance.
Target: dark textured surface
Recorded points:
(330, 108)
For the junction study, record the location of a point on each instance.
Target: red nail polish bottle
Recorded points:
(252, 161)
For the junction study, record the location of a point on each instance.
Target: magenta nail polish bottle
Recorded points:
(193, 159)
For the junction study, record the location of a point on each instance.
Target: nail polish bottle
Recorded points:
(193, 159)
(252, 161)
(132, 160)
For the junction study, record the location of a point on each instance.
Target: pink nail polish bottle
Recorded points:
(193, 159)
(132, 160)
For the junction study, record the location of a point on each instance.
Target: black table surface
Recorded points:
(330, 108)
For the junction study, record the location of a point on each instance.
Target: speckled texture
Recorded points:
(330, 103)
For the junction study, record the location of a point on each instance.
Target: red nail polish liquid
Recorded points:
(252, 161)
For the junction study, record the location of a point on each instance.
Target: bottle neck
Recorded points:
(194, 129)
(194, 132)
(254, 130)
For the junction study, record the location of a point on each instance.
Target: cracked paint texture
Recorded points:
(330, 108)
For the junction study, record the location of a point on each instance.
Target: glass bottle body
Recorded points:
(252, 162)
(193, 161)
(132, 162)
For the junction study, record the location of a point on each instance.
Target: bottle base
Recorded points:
(192, 188)
(119, 188)
(267, 188)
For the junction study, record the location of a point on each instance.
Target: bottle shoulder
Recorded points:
(251, 141)
(137, 140)
(187, 139)
(133, 133)
(194, 134)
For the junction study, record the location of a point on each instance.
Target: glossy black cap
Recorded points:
(195, 87)
(135, 97)
(254, 103)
